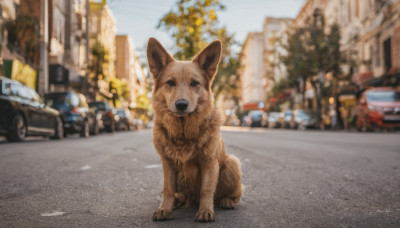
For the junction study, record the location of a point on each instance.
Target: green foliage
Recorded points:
(193, 24)
(99, 54)
(311, 50)
(190, 24)
(279, 87)
(142, 101)
(22, 36)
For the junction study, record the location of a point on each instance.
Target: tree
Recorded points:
(99, 54)
(312, 51)
(193, 24)
(23, 36)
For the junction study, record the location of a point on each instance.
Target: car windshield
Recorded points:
(274, 114)
(54, 100)
(301, 113)
(101, 106)
(383, 96)
(256, 114)
(121, 112)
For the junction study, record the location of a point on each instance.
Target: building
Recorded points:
(262, 68)
(129, 69)
(76, 48)
(68, 51)
(102, 33)
(275, 37)
(252, 73)
(307, 11)
(103, 30)
(18, 61)
(370, 36)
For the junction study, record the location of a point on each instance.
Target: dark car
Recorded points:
(75, 112)
(106, 115)
(257, 118)
(122, 120)
(23, 113)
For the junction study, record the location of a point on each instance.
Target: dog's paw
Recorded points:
(205, 216)
(162, 214)
(227, 203)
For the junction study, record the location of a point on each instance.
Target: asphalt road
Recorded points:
(292, 179)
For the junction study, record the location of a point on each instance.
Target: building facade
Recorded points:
(275, 37)
(260, 58)
(103, 30)
(369, 34)
(129, 69)
(76, 48)
(252, 72)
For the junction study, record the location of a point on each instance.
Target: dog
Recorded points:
(187, 136)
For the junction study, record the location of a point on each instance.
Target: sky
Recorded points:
(139, 18)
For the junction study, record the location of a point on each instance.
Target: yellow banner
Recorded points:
(24, 73)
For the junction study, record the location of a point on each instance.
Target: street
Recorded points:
(291, 178)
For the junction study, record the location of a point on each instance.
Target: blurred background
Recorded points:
(309, 64)
(297, 80)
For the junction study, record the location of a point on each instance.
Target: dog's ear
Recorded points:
(157, 57)
(208, 59)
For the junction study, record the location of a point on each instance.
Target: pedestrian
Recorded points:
(344, 114)
(333, 116)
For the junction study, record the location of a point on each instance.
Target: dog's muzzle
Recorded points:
(181, 104)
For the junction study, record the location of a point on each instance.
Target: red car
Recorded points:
(379, 108)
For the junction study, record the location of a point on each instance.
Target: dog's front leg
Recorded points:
(209, 177)
(168, 197)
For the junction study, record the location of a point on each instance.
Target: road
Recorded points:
(292, 179)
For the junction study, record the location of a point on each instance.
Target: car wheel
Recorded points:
(111, 128)
(85, 130)
(18, 131)
(58, 129)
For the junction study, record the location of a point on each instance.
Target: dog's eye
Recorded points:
(171, 83)
(194, 83)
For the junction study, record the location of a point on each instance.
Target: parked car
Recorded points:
(23, 113)
(106, 115)
(303, 120)
(379, 108)
(273, 119)
(76, 115)
(287, 118)
(257, 118)
(122, 120)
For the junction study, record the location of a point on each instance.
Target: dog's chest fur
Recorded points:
(196, 140)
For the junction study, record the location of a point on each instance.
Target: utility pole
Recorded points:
(43, 84)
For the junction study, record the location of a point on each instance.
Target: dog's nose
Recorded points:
(181, 104)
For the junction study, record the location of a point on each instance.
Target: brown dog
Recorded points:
(186, 134)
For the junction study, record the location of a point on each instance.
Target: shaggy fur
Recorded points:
(196, 169)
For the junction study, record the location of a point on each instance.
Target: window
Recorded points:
(387, 54)
(377, 52)
(74, 100)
